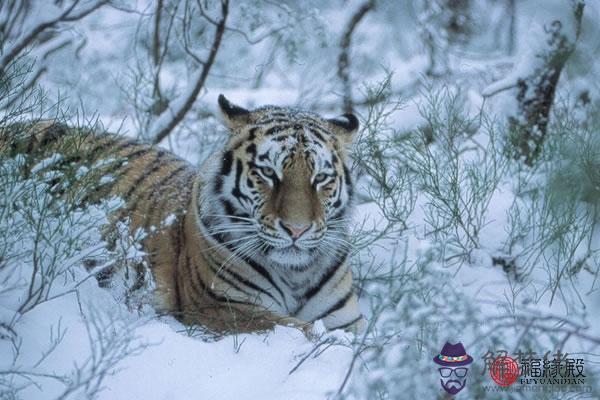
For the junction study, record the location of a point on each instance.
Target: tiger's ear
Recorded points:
(344, 127)
(234, 116)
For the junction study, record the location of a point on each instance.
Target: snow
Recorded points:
(175, 365)
(45, 163)
(169, 220)
(259, 368)
(421, 294)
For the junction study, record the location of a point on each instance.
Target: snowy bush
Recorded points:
(46, 240)
(483, 258)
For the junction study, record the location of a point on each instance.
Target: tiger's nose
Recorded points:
(294, 230)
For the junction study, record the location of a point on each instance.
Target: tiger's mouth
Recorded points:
(291, 256)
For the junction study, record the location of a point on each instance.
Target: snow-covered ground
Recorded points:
(422, 285)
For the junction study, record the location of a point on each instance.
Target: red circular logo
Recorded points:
(504, 371)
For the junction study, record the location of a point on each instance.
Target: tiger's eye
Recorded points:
(320, 178)
(268, 172)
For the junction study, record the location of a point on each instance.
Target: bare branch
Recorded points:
(68, 15)
(159, 52)
(172, 116)
(156, 36)
(343, 71)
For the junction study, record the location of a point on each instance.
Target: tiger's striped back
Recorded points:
(218, 240)
(155, 185)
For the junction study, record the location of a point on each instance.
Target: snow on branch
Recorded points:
(29, 33)
(17, 42)
(535, 92)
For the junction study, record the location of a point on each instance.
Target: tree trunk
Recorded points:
(535, 93)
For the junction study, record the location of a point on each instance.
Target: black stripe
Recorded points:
(168, 177)
(230, 211)
(191, 272)
(288, 284)
(252, 133)
(243, 281)
(107, 141)
(348, 180)
(134, 204)
(281, 138)
(324, 279)
(136, 185)
(253, 286)
(227, 280)
(125, 144)
(247, 283)
(226, 163)
(267, 121)
(236, 192)
(155, 194)
(339, 213)
(218, 184)
(122, 145)
(157, 185)
(179, 244)
(275, 129)
(215, 296)
(265, 274)
(340, 303)
(277, 113)
(100, 192)
(314, 131)
(138, 153)
(251, 149)
(347, 324)
(178, 304)
(155, 165)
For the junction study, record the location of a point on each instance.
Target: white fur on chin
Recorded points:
(290, 257)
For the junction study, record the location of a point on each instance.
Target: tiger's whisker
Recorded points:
(215, 232)
(223, 244)
(230, 216)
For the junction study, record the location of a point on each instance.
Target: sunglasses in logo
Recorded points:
(459, 372)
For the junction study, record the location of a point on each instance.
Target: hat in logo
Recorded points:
(453, 355)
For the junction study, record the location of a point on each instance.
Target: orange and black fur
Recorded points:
(258, 236)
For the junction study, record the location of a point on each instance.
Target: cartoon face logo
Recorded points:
(452, 360)
(453, 379)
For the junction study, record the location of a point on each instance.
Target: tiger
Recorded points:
(257, 236)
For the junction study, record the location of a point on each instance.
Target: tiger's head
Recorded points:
(280, 193)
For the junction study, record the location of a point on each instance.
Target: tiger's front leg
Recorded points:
(348, 318)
